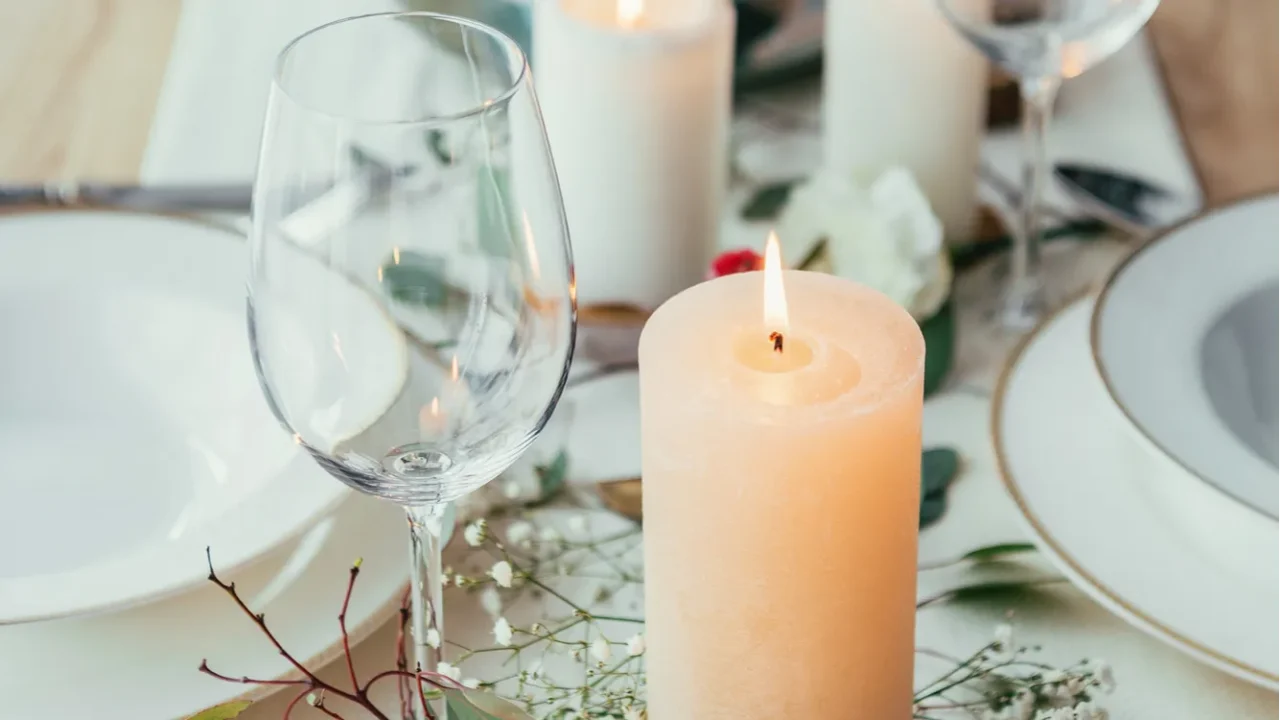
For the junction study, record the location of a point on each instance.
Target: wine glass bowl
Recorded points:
(1041, 42)
(411, 298)
(1048, 38)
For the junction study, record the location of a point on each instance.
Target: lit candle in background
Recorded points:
(781, 463)
(636, 98)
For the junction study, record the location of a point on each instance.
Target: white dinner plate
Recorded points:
(1101, 508)
(133, 431)
(1185, 336)
(141, 663)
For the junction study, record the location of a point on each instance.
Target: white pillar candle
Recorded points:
(636, 97)
(901, 87)
(781, 463)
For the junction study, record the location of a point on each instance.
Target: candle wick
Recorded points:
(776, 337)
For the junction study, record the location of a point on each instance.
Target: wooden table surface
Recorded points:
(78, 85)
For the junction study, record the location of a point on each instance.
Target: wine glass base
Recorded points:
(417, 461)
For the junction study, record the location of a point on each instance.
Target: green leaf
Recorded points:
(932, 508)
(551, 477)
(768, 201)
(225, 711)
(938, 467)
(419, 279)
(498, 227)
(995, 589)
(816, 253)
(436, 143)
(939, 345)
(480, 705)
(996, 552)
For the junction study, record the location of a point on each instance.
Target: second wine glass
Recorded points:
(411, 301)
(1041, 42)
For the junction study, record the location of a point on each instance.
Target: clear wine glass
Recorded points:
(411, 297)
(1041, 42)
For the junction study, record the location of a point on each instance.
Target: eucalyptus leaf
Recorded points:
(997, 552)
(938, 467)
(551, 477)
(815, 254)
(436, 142)
(768, 201)
(497, 231)
(225, 711)
(480, 705)
(994, 589)
(932, 508)
(939, 346)
(419, 279)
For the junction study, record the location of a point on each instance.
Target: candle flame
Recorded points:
(775, 297)
(453, 369)
(629, 12)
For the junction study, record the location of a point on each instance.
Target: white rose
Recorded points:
(884, 236)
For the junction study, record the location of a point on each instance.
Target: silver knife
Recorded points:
(228, 197)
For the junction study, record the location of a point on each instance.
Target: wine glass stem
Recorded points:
(1024, 300)
(426, 523)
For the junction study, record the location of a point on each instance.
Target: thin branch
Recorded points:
(245, 680)
(288, 710)
(342, 624)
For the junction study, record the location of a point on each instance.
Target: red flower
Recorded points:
(735, 261)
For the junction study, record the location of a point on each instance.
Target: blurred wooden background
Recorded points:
(78, 85)
(1219, 61)
(79, 81)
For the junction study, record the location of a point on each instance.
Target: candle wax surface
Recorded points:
(655, 15)
(781, 502)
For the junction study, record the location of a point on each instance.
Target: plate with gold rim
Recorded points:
(133, 432)
(142, 662)
(1160, 549)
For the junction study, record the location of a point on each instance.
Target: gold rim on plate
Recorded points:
(1046, 540)
(1095, 322)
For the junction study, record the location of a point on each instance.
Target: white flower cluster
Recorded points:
(884, 236)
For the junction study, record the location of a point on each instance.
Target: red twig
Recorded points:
(360, 696)
(245, 680)
(288, 710)
(342, 623)
(403, 687)
(422, 697)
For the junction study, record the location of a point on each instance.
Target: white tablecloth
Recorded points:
(207, 126)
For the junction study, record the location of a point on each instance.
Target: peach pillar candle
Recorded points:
(781, 462)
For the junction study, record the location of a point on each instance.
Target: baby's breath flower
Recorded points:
(449, 671)
(1104, 676)
(502, 632)
(1004, 641)
(600, 650)
(501, 573)
(1075, 685)
(511, 490)
(520, 533)
(476, 532)
(491, 600)
(1088, 711)
(549, 534)
(433, 638)
(1022, 705)
(635, 645)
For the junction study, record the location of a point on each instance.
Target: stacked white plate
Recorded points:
(133, 435)
(1137, 433)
